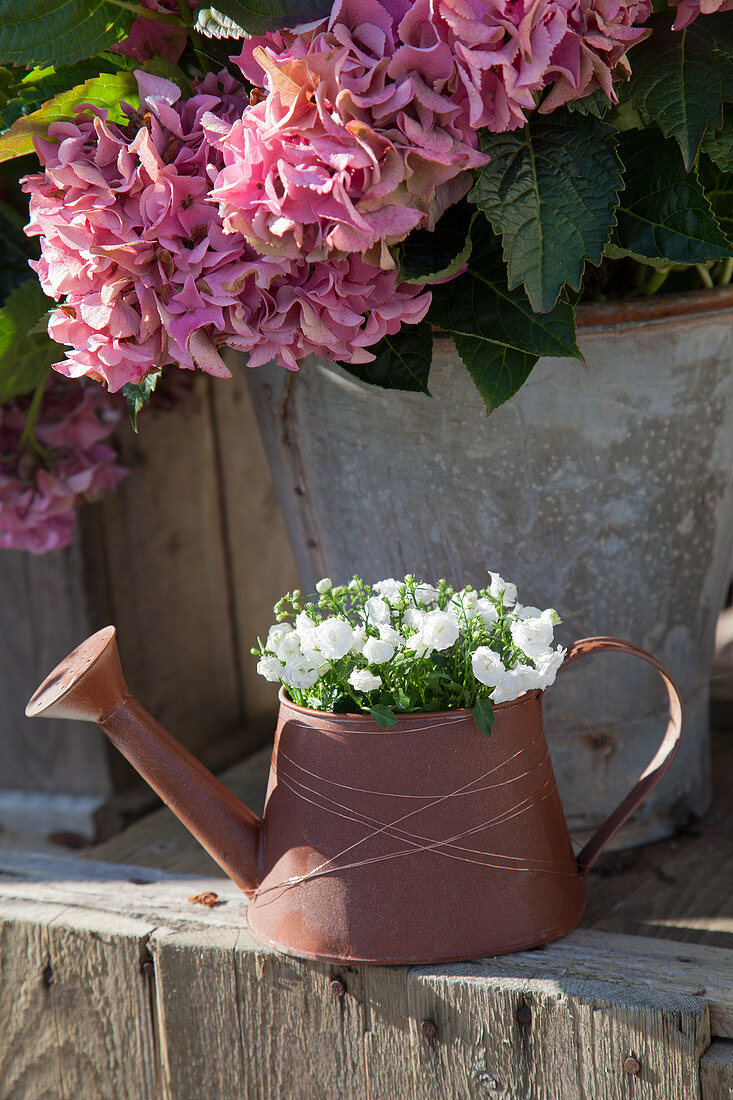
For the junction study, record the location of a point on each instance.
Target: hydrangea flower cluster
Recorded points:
(146, 271)
(401, 646)
(688, 10)
(67, 463)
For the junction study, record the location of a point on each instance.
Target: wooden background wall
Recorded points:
(186, 559)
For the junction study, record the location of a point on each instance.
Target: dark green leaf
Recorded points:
(35, 88)
(718, 144)
(256, 16)
(402, 361)
(495, 330)
(138, 395)
(25, 359)
(597, 104)
(550, 191)
(59, 32)
(719, 191)
(402, 700)
(663, 214)
(15, 248)
(680, 78)
(383, 715)
(106, 90)
(483, 715)
(428, 256)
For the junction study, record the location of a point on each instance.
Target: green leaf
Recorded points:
(402, 361)
(680, 78)
(483, 715)
(35, 88)
(496, 333)
(25, 359)
(383, 715)
(59, 32)
(105, 90)
(663, 213)
(550, 191)
(256, 16)
(597, 104)
(138, 394)
(430, 256)
(718, 144)
(719, 190)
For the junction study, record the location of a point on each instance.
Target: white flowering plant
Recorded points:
(397, 647)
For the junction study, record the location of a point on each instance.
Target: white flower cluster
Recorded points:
(411, 644)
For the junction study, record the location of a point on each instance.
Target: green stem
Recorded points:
(657, 279)
(185, 11)
(705, 275)
(727, 273)
(28, 441)
(145, 13)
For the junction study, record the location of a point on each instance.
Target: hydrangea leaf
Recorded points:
(550, 191)
(402, 361)
(430, 256)
(37, 87)
(25, 356)
(719, 191)
(483, 715)
(138, 394)
(257, 16)
(681, 78)
(597, 104)
(718, 144)
(59, 32)
(495, 330)
(105, 90)
(663, 213)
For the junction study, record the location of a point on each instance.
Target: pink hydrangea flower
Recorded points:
(38, 497)
(135, 248)
(359, 139)
(688, 10)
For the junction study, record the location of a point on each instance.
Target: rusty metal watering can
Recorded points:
(426, 842)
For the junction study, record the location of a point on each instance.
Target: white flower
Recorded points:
(334, 638)
(300, 673)
(414, 618)
(418, 644)
(270, 668)
(323, 586)
(426, 594)
(364, 680)
(532, 636)
(440, 629)
(288, 646)
(515, 682)
(488, 667)
(499, 587)
(377, 611)
(388, 589)
(304, 624)
(548, 665)
(377, 652)
(389, 634)
(522, 612)
(357, 644)
(487, 610)
(276, 633)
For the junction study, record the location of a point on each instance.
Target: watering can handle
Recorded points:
(655, 770)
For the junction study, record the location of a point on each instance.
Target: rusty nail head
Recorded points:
(48, 976)
(524, 1015)
(631, 1065)
(338, 988)
(147, 967)
(429, 1029)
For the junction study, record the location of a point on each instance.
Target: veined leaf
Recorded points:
(402, 361)
(495, 330)
(663, 213)
(138, 394)
(718, 144)
(105, 90)
(483, 715)
(383, 715)
(59, 32)
(431, 256)
(25, 357)
(681, 78)
(719, 191)
(256, 16)
(550, 191)
(42, 84)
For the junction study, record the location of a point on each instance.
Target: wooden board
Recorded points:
(716, 1071)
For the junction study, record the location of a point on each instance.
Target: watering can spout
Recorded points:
(89, 685)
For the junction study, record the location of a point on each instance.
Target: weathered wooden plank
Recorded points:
(538, 1040)
(261, 565)
(716, 1071)
(84, 1027)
